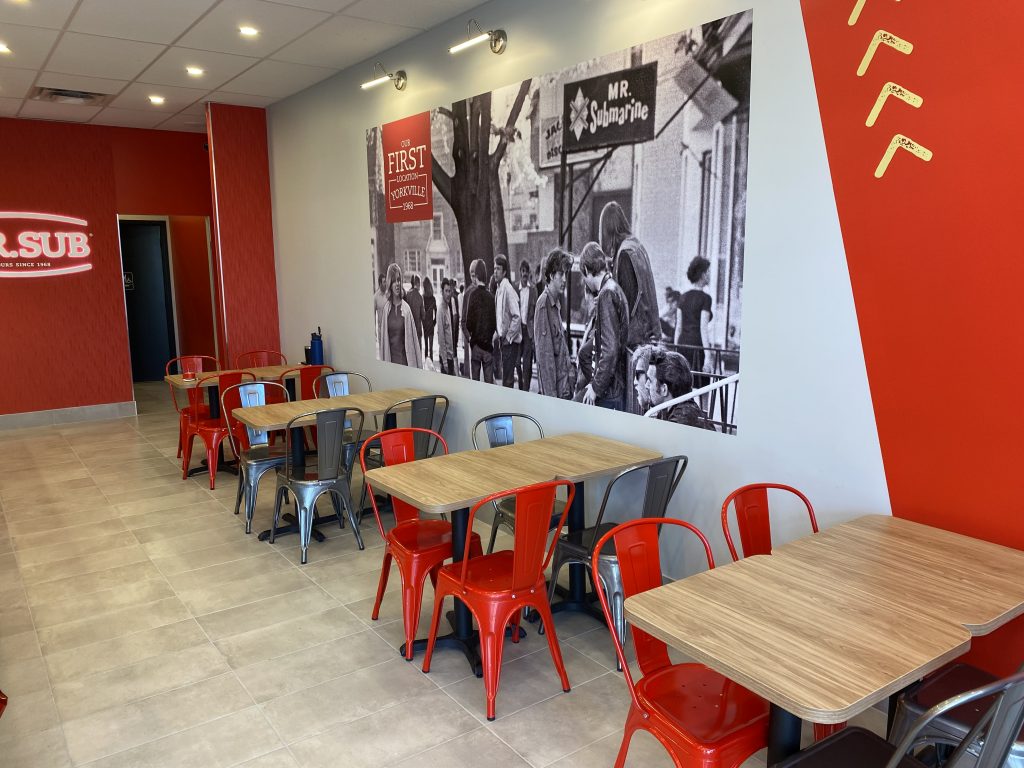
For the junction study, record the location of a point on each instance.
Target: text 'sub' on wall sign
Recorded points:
(407, 169)
(43, 245)
(612, 109)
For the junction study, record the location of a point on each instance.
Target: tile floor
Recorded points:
(140, 627)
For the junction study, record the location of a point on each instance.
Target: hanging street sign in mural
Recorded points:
(607, 110)
(42, 245)
(407, 169)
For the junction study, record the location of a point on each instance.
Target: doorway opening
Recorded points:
(148, 296)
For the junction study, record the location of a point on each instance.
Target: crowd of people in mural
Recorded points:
(510, 329)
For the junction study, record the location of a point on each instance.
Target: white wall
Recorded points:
(806, 416)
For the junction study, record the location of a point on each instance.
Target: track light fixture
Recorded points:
(497, 38)
(398, 78)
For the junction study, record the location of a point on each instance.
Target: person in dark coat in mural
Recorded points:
(607, 331)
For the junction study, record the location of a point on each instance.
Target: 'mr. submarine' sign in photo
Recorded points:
(617, 108)
(42, 245)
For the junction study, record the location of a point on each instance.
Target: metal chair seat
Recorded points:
(851, 747)
(952, 726)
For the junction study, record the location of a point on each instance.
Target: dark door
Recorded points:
(147, 297)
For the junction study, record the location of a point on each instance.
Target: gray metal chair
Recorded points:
(260, 457)
(949, 728)
(332, 473)
(986, 745)
(418, 413)
(500, 429)
(338, 384)
(659, 483)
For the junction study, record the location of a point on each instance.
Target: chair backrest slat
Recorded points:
(534, 507)
(422, 413)
(660, 479)
(753, 517)
(396, 446)
(338, 384)
(637, 547)
(501, 428)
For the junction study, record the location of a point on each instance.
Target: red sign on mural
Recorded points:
(407, 169)
(42, 245)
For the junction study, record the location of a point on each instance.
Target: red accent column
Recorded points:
(243, 241)
(928, 197)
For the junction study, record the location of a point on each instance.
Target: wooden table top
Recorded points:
(834, 622)
(976, 583)
(815, 649)
(277, 415)
(262, 373)
(447, 483)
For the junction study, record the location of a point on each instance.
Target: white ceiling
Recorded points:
(133, 49)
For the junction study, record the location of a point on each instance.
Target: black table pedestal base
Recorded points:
(293, 527)
(222, 466)
(469, 645)
(783, 734)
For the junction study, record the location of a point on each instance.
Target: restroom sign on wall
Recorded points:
(43, 245)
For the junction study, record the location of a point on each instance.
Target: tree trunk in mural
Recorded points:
(473, 190)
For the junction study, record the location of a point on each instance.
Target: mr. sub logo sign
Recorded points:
(407, 169)
(612, 109)
(43, 245)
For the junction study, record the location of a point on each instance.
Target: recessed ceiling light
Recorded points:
(158, 100)
(195, 71)
(4, 48)
(247, 31)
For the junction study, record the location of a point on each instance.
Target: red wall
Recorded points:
(934, 255)
(65, 342)
(192, 294)
(244, 233)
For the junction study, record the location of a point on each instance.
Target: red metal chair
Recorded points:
(211, 431)
(260, 358)
(754, 523)
(703, 719)
(418, 547)
(497, 587)
(195, 408)
(751, 502)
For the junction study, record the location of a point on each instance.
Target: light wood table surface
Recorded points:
(973, 582)
(277, 415)
(262, 373)
(835, 622)
(812, 647)
(447, 483)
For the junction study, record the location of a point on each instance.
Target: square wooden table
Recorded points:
(825, 629)
(278, 415)
(454, 483)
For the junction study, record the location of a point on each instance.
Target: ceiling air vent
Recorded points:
(69, 96)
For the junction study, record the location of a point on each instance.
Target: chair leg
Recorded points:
(385, 571)
(556, 566)
(617, 603)
(544, 609)
(435, 620)
(241, 487)
(412, 602)
(822, 730)
(186, 458)
(492, 641)
(282, 492)
(304, 508)
(211, 458)
(252, 487)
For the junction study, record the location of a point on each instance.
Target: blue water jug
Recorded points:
(316, 348)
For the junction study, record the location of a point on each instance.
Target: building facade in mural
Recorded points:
(637, 159)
